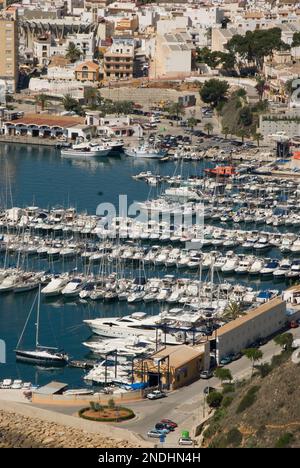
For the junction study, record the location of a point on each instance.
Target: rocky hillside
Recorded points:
(262, 412)
(22, 432)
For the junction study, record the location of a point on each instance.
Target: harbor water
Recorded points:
(33, 175)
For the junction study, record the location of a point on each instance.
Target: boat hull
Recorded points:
(56, 361)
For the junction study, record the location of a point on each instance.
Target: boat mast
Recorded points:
(38, 318)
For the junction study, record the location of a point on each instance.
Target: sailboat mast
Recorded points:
(38, 318)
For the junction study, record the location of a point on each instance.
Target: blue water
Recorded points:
(37, 175)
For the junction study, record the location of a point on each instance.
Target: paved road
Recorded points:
(186, 405)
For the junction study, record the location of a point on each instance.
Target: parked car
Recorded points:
(293, 324)
(236, 356)
(169, 422)
(225, 360)
(185, 441)
(154, 433)
(155, 395)
(206, 374)
(163, 426)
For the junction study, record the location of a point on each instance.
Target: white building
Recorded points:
(173, 55)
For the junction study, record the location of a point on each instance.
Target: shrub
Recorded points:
(284, 440)
(264, 369)
(214, 399)
(228, 388)
(218, 442)
(219, 414)
(111, 403)
(227, 400)
(234, 437)
(211, 430)
(248, 399)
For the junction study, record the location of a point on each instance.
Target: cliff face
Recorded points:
(264, 412)
(17, 431)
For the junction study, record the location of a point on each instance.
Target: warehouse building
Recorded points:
(261, 322)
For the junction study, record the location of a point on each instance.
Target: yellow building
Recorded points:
(173, 366)
(127, 24)
(9, 49)
(87, 71)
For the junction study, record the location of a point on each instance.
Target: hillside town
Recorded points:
(149, 222)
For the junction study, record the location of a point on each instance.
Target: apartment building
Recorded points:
(9, 50)
(119, 59)
(173, 55)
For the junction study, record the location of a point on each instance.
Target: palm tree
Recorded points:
(242, 133)
(257, 137)
(253, 355)
(176, 109)
(42, 100)
(192, 122)
(233, 310)
(70, 104)
(92, 97)
(260, 87)
(225, 131)
(73, 52)
(208, 127)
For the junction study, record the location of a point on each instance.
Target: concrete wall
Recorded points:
(260, 326)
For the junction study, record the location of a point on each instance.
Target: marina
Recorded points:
(163, 278)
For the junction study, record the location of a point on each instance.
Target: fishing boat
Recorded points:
(42, 355)
(145, 152)
(85, 150)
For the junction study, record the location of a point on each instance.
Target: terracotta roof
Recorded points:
(89, 64)
(249, 316)
(49, 120)
(179, 355)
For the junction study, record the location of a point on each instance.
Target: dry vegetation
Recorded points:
(263, 412)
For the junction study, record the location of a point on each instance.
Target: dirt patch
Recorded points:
(107, 414)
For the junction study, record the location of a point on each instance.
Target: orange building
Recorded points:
(87, 71)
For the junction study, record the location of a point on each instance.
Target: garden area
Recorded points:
(106, 413)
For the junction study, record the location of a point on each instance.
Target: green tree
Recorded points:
(176, 108)
(255, 45)
(260, 87)
(71, 104)
(73, 52)
(225, 131)
(223, 374)
(92, 97)
(242, 133)
(111, 403)
(253, 355)
(284, 341)
(296, 39)
(214, 399)
(92, 405)
(192, 122)
(214, 91)
(41, 100)
(257, 137)
(208, 127)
